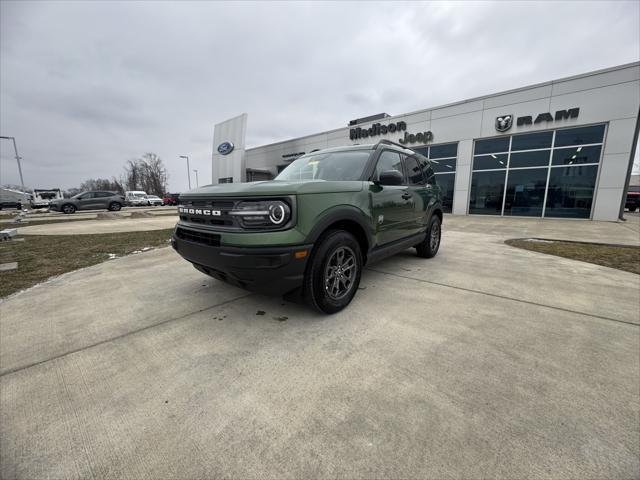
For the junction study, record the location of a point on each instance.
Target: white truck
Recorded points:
(135, 198)
(42, 197)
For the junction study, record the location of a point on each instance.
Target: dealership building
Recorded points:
(559, 149)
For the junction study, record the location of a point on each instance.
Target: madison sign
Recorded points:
(378, 129)
(504, 122)
(375, 130)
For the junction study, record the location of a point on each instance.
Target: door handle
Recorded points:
(406, 195)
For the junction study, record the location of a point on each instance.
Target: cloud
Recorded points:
(86, 85)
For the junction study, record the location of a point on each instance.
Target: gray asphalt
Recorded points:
(486, 361)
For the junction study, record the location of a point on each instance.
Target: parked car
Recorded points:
(633, 198)
(170, 199)
(309, 232)
(10, 198)
(10, 204)
(89, 201)
(135, 198)
(154, 201)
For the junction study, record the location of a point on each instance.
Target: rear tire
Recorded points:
(429, 247)
(632, 209)
(115, 206)
(333, 273)
(68, 208)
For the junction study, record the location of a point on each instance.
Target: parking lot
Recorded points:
(486, 361)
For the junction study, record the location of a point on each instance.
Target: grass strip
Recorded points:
(40, 257)
(621, 257)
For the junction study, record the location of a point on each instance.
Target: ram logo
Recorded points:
(504, 122)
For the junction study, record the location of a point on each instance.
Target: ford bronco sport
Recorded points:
(309, 232)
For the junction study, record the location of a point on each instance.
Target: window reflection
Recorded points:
(443, 151)
(525, 192)
(571, 191)
(487, 190)
(487, 162)
(576, 155)
(531, 141)
(579, 136)
(492, 145)
(446, 182)
(539, 158)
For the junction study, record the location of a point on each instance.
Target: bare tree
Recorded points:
(154, 174)
(146, 173)
(102, 184)
(132, 178)
(70, 192)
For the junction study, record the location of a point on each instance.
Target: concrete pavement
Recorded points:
(486, 361)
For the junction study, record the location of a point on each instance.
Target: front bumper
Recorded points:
(269, 270)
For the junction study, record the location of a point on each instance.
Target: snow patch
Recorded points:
(538, 240)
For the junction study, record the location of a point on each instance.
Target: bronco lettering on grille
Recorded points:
(199, 211)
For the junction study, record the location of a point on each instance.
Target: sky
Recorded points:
(85, 86)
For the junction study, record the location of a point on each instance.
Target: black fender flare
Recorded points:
(342, 213)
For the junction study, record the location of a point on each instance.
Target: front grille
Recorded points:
(209, 239)
(223, 206)
(226, 222)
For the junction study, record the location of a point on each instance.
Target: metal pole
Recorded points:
(188, 172)
(188, 169)
(197, 183)
(15, 149)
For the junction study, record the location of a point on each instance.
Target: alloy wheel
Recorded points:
(434, 239)
(340, 273)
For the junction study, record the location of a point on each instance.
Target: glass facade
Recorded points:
(540, 174)
(443, 159)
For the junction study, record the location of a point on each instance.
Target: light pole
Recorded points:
(188, 169)
(18, 157)
(197, 184)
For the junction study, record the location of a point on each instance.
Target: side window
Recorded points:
(414, 172)
(388, 161)
(87, 196)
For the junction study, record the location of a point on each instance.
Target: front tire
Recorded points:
(333, 274)
(115, 206)
(68, 208)
(429, 247)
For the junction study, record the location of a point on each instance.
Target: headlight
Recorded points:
(265, 213)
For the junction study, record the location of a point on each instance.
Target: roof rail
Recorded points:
(384, 141)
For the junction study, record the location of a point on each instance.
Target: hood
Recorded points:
(273, 187)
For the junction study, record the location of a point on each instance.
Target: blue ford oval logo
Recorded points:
(225, 148)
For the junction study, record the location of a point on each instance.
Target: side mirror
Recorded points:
(391, 177)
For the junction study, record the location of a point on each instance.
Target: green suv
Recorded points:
(309, 232)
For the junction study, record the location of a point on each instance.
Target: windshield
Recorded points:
(341, 166)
